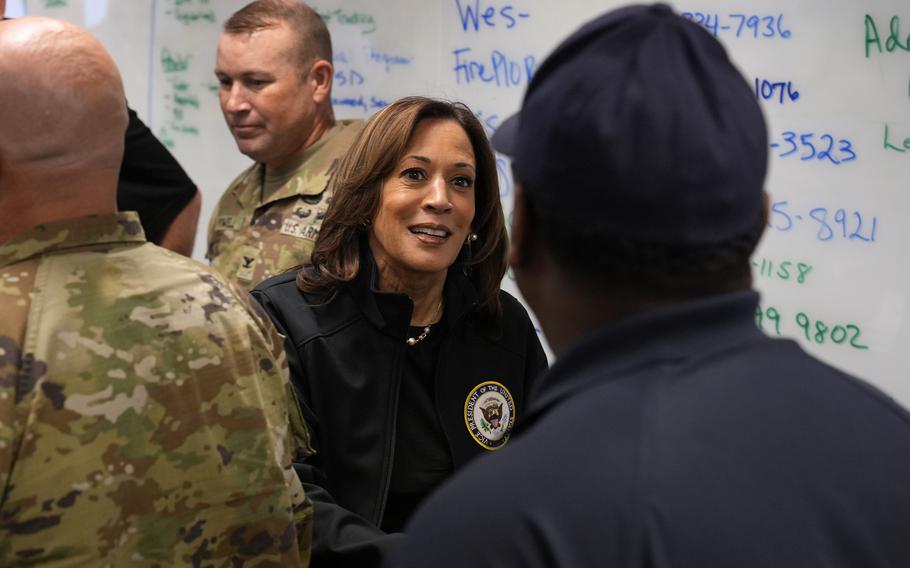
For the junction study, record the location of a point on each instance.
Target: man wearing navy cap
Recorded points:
(671, 432)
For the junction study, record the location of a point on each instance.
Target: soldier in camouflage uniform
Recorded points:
(275, 73)
(268, 219)
(144, 414)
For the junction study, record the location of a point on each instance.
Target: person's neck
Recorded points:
(584, 308)
(322, 124)
(26, 205)
(581, 308)
(425, 292)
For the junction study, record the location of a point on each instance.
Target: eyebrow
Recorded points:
(426, 160)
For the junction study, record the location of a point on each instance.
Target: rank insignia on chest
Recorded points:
(247, 256)
(489, 414)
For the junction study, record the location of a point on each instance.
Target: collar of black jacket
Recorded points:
(683, 330)
(459, 294)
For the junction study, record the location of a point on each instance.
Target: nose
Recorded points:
(437, 198)
(234, 100)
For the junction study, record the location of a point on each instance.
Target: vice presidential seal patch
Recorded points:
(489, 414)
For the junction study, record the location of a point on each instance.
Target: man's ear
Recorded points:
(766, 209)
(522, 231)
(320, 78)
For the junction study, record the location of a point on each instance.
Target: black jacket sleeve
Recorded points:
(340, 537)
(152, 183)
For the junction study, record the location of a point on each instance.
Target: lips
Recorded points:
(245, 129)
(430, 231)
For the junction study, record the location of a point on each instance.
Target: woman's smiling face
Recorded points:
(427, 203)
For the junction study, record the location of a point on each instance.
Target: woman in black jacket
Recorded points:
(406, 357)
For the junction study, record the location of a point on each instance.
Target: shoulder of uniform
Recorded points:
(512, 307)
(509, 301)
(511, 330)
(238, 191)
(202, 270)
(355, 124)
(246, 178)
(346, 131)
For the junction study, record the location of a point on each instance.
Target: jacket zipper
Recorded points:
(444, 351)
(390, 453)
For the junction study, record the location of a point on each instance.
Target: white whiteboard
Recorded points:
(823, 91)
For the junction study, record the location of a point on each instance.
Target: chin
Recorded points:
(250, 147)
(252, 153)
(431, 265)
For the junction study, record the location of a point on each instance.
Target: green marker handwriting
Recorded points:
(895, 144)
(895, 41)
(190, 11)
(814, 330)
(339, 16)
(787, 270)
(174, 63)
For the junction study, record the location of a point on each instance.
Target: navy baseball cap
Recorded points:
(638, 124)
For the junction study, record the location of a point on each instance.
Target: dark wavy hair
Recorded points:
(358, 183)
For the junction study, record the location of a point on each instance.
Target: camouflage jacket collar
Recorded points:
(72, 233)
(309, 175)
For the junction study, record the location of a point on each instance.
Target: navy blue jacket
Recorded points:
(683, 437)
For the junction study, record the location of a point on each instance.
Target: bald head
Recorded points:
(70, 109)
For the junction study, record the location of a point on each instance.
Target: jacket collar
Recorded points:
(72, 233)
(684, 330)
(459, 294)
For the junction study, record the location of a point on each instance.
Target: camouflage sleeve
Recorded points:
(291, 425)
(300, 435)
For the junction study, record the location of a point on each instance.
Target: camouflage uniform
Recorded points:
(268, 219)
(143, 409)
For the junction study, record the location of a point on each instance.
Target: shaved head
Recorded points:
(62, 96)
(63, 118)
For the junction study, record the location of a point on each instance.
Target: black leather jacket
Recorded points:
(345, 361)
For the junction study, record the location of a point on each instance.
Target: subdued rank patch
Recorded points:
(248, 257)
(489, 414)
